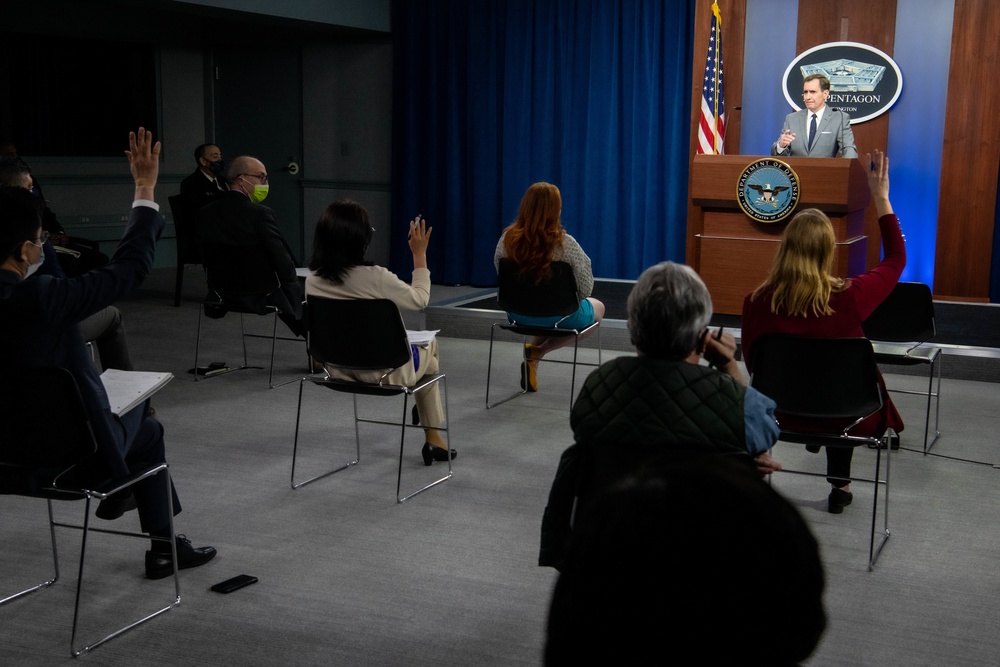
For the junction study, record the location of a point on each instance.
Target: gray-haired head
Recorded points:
(14, 173)
(667, 310)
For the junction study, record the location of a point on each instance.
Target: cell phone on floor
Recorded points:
(236, 583)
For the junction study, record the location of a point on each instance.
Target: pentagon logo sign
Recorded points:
(864, 81)
(768, 190)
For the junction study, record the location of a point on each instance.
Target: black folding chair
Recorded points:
(518, 293)
(363, 334)
(240, 280)
(43, 457)
(188, 251)
(826, 380)
(899, 330)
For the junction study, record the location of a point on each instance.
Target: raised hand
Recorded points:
(419, 238)
(144, 162)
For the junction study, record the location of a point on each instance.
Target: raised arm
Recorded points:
(878, 181)
(144, 162)
(418, 239)
(873, 287)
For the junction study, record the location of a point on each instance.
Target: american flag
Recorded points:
(712, 127)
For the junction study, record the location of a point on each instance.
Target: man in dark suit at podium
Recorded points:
(817, 130)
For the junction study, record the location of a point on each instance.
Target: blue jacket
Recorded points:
(40, 319)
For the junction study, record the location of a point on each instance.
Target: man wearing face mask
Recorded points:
(105, 327)
(39, 328)
(237, 222)
(207, 182)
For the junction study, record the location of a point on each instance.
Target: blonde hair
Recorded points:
(800, 278)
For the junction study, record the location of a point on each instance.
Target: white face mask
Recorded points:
(41, 260)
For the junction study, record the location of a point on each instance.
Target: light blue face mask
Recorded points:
(41, 260)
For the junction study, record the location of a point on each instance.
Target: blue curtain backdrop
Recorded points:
(491, 96)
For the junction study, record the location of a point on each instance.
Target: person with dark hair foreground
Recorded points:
(40, 329)
(662, 400)
(801, 297)
(686, 562)
(340, 271)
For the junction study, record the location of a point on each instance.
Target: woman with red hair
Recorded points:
(534, 240)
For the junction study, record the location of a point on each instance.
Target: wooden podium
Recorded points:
(733, 253)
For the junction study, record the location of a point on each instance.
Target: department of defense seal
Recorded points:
(768, 190)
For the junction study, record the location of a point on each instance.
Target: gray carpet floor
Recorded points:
(348, 577)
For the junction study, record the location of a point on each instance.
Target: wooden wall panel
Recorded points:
(970, 157)
(871, 22)
(733, 24)
(972, 141)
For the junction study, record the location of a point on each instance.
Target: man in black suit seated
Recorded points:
(39, 327)
(206, 183)
(238, 223)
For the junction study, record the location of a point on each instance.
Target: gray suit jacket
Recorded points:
(834, 135)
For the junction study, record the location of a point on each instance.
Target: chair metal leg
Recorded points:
(444, 429)
(873, 551)
(178, 283)
(295, 446)
(74, 651)
(55, 563)
(575, 362)
(937, 404)
(246, 364)
(572, 381)
(197, 343)
(274, 339)
(243, 338)
(489, 367)
(935, 364)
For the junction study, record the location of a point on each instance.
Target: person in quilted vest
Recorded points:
(662, 399)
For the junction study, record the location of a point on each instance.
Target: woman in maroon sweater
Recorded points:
(801, 298)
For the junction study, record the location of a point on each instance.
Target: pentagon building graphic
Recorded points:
(847, 75)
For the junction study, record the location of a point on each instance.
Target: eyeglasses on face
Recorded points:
(42, 238)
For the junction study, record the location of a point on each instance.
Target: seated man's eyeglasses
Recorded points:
(261, 177)
(41, 240)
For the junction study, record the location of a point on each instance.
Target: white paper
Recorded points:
(127, 389)
(421, 338)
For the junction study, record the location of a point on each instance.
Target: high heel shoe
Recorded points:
(529, 371)
(432, 453)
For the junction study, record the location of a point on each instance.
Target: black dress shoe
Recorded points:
(432, 453)
(215, 310)
(160, 565)
(838, 500)
(115, 505)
